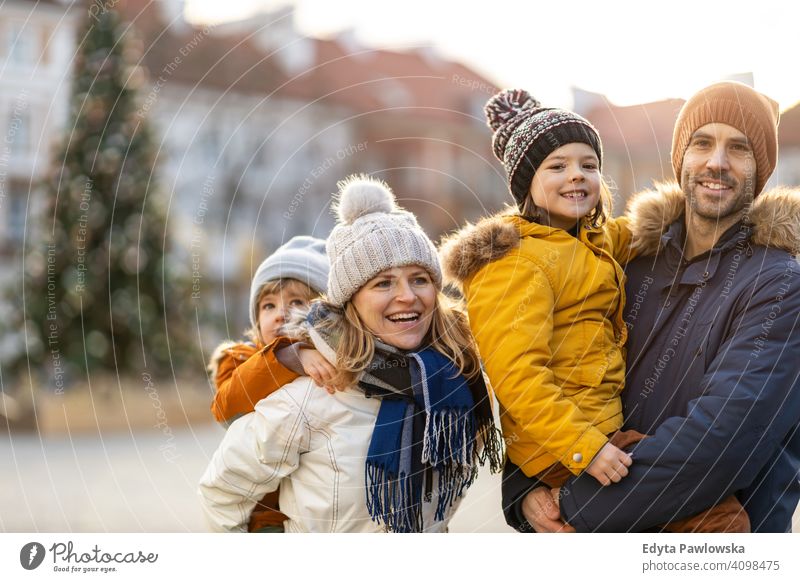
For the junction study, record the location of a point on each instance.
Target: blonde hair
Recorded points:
(271, 288)
(449, 334)
(595, 219)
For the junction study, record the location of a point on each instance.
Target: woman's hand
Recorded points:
(540, 507)
(319, 369)
(609, 465)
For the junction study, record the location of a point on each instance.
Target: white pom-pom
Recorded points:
(360, 195)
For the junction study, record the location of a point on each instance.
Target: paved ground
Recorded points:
(143, 482)
(140, 482)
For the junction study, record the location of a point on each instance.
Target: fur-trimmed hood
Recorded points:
(237, 350)
(774, 218)
(474, 246)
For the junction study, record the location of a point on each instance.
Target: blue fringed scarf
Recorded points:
(426, 440)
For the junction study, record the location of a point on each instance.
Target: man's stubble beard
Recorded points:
(734, 204)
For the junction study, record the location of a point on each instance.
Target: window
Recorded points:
(22, 44)
(18, 134)
(16, 215)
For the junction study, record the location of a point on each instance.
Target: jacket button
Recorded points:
(577, 457)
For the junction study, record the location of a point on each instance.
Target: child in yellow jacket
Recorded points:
(545, 296)
(248, 371)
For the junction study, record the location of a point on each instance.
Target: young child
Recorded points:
(545, 296)
(248, 371)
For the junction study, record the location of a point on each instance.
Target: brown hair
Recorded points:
(595, 219)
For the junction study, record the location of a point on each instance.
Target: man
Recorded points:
(713, 355)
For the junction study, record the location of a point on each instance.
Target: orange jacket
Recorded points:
(245, 373)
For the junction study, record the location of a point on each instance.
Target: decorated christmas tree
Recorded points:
(99, 291)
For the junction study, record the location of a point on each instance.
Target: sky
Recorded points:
(630, 51)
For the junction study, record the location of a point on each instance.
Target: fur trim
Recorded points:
(776, 219)
(219, 352)
(465, 252)
(651, 212)
(296, 326)
(774, 216)
(303, 326)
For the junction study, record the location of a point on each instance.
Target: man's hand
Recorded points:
(540, 508)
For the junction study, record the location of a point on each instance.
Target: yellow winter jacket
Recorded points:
(545, 308)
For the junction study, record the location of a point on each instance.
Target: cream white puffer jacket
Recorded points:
(314, 445)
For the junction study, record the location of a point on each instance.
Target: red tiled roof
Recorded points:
(636, 126)
(372, 79)
(364, 80)
(204, 59)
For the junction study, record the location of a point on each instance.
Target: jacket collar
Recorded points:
(773, 220)
(474, 246)
(675, 237)
(704, 266)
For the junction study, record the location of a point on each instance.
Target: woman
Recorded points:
(416, 418)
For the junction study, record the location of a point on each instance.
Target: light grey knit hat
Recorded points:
(373, 234)
(302, 258)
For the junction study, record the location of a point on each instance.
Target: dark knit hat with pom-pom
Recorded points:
(525, 133)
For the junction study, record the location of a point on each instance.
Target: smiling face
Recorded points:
(566, 186)
(719, 172)
(397, 306)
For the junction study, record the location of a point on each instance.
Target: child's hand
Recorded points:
(609, 465)
(320, 369)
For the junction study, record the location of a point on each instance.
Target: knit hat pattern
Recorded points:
(739, 106)
(525, 133)
(302, 258)
(373, 234)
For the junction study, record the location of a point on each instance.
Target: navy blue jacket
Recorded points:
(713, 365)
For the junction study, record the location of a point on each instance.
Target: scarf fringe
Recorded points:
(457, 435)
(452, 437)
(449, 446)
(393, 500)
(449, 437)
(493, 449)
(452, 447)
(453, 452)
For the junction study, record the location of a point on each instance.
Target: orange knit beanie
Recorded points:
(739, 106)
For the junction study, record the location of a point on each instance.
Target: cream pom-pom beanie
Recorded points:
(373, 234)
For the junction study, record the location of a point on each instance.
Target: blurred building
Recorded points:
(256, 125)
(37, 41)
(258, 122)
(636, 141)
(788, 171)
